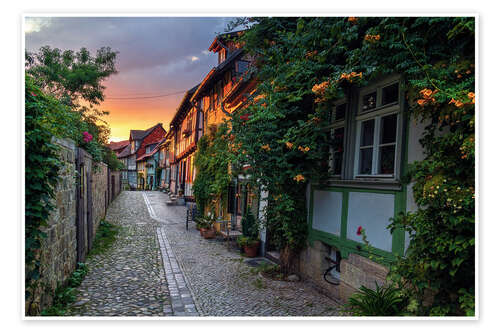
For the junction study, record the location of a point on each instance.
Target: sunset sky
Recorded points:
(157, 56)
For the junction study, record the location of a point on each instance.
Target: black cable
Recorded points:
(145, 97)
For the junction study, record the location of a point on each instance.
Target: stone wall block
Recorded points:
(58, 252)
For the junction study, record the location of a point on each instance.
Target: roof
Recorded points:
(118, 145)
(125, 152)
(179, 114)
(152, 152)
(215, 71)
(141, 134)
(222, 37)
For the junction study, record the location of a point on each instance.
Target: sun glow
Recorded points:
(35, 24)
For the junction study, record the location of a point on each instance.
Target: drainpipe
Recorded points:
(198, 110)
(235, 207)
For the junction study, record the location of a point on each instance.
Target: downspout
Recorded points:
(197, 129)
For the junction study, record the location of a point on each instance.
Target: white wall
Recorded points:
(327, 215)
(372, 212)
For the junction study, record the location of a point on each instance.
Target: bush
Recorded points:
(383, 301)
(249, 226)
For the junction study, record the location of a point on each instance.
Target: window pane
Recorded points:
(369, 101)
(340, 111)
(390, 94)
(386, 159)
(241, 66)
(367, 129)
(338, 139)
(365, 161)
(337, 163)
(388, 129)
(338, 149)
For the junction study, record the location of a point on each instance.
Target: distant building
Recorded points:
(138, 140)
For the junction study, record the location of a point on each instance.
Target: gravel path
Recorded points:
(222, 284)
(128, 279)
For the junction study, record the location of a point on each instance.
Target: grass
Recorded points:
(104, 238)
(65, 294)
(259, 284)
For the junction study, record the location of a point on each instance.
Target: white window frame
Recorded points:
(377, 114)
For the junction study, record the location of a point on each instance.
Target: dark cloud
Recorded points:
(157, 55)
(148, 44)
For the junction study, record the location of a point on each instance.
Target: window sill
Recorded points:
(372, 183)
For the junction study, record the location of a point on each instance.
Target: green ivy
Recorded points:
(41, 175)
(212, 160)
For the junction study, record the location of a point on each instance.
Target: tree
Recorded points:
(76, 79)
(72, 76)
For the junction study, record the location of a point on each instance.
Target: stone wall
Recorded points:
(114, 176)
(58, 252)
(99, 194)
(58, 255)
(355, 271)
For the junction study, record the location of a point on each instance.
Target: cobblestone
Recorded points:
(128, 279)
(221, 283)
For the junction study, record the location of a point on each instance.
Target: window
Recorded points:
(380, 97)
(377, 128)
(222, 55)
(337, 119)
(366, 132)
(241, 66)
(366, 147)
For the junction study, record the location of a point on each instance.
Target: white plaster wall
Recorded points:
(327, 215)
(415, 153)
(372, 212)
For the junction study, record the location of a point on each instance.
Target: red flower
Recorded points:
(33, 94)
(245, 117)
(360, 229)
(87, 137)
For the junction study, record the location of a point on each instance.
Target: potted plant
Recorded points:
(202, 224)
(209, 231)
(206, 227)
(250, 245)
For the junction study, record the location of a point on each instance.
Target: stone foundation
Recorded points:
(355, 271)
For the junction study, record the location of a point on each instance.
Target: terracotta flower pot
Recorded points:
(251, 251)
(209, 233)
(202, 230)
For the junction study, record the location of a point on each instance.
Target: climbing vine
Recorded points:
(303, 65)
(41, 176)
(212, 165)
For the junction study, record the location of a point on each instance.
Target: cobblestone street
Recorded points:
(157, 268)
(222, 283)
(128, 279)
